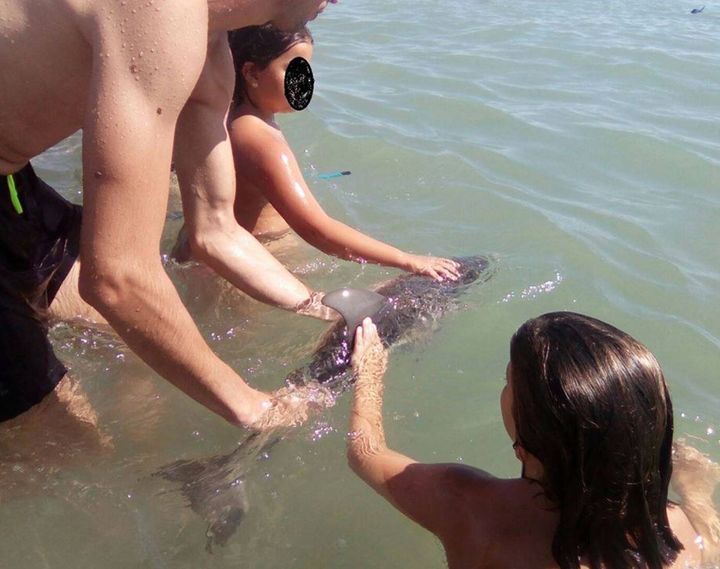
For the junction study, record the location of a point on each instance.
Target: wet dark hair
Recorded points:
(591, 404)
(260, 45)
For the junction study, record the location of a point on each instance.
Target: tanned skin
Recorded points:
(272, 194)
(482, 521)
(139, 76)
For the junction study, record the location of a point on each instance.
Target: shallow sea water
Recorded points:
(575, 142)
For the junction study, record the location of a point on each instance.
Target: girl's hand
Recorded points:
(368, 355)
(435, 267)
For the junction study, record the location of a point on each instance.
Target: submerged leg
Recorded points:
(62, 427)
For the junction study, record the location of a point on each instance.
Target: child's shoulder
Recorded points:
(248, 131)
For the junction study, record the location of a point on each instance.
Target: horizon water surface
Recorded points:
(576, 143)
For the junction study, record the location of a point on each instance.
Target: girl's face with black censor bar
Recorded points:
(286, 84)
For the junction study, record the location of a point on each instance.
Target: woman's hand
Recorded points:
(369, 355)
(436, 267)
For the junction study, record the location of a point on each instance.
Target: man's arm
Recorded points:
(145, 65)
(204, 163)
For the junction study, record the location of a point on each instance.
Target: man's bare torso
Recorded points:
(50, 54)
(46, 55)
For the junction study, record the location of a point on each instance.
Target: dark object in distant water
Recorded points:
(214, 487)
(697, 10)
(331, 175)
(299, 83)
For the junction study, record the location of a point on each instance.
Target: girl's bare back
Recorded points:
(508, 524)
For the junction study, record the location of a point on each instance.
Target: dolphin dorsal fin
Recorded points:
(354, 304)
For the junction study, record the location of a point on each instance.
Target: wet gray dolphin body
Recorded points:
(354, 304)
(412, 303)
(214, 487)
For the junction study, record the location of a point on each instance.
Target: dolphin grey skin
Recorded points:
(354, 304)
(414, 303)
(214, 487)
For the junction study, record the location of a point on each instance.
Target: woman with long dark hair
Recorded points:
(590, 419)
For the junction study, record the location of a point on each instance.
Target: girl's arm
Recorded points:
(695, 479)
(426, 493)
(265, 160)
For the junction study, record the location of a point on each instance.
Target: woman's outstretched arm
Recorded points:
(266, 160)
(426, 493)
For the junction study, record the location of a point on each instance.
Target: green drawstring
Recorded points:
(14, 198)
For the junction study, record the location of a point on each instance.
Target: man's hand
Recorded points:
(314, 307)
(292, 406)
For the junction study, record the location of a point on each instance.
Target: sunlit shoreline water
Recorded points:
(575, 142)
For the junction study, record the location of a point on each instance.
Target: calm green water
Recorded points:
(577, 142)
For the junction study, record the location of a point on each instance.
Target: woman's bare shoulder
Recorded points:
(499, 522)
(485, 496)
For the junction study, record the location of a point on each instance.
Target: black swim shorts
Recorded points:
(39, 242)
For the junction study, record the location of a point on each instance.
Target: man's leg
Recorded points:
(51, 435)
(67, 304)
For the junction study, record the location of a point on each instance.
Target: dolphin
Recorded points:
(401, 309)
(215, 487)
